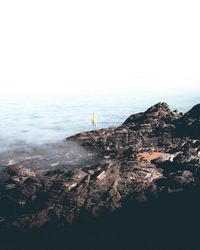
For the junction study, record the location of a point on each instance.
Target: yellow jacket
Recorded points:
(94, 118)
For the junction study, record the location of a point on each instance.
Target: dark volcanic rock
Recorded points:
(189, 124)
(145, 187)
(194, 113)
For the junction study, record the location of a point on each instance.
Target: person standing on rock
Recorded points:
(94, 121)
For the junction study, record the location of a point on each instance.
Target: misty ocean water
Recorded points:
(30, 122)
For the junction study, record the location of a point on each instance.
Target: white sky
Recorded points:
(58, 46)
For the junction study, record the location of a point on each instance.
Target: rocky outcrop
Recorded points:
(151, 164)
(189, 124)
(157, 129)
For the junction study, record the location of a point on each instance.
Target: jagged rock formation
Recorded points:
(157, 129)
(151, 161)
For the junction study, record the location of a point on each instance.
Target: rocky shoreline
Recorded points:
(144, 194)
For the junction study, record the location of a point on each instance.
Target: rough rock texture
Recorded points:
(144, 193)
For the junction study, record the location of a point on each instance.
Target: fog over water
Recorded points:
(45, 119)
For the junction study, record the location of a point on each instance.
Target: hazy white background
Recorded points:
(57, 47)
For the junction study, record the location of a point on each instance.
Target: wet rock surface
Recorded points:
(144, 194)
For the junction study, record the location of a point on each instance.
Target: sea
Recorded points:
(35, 127)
